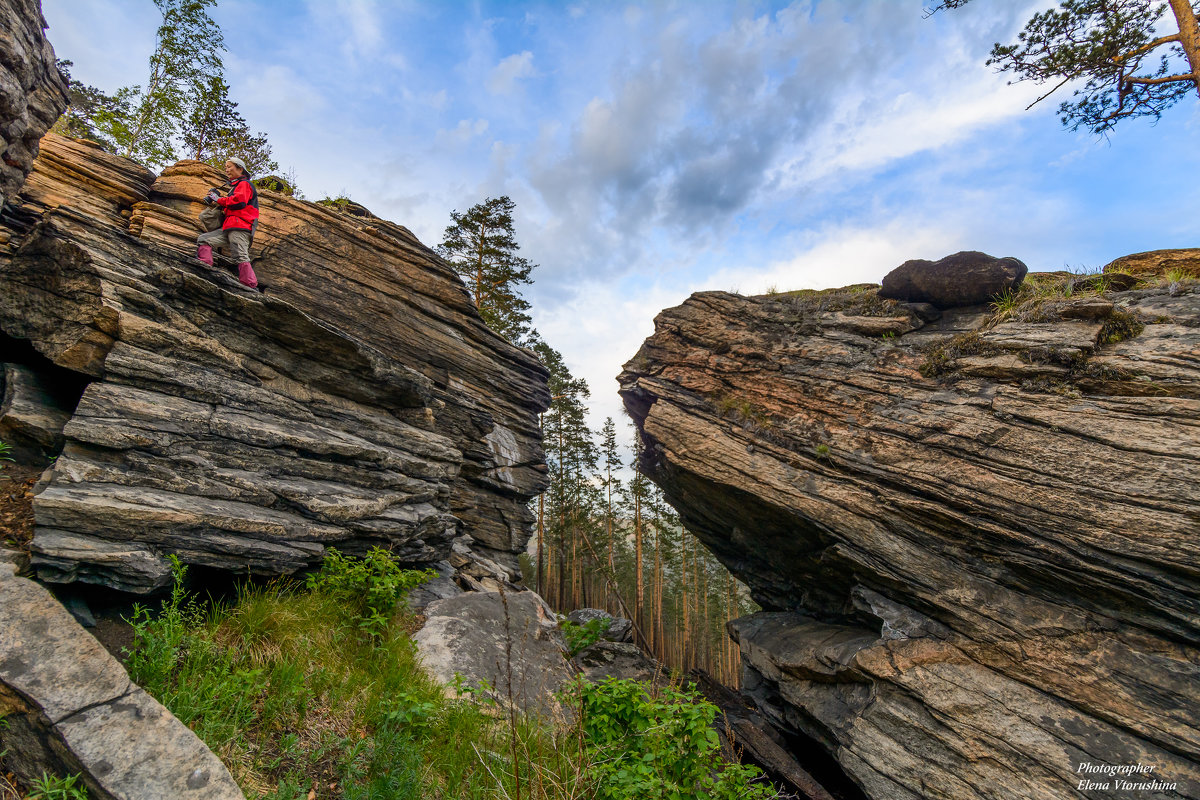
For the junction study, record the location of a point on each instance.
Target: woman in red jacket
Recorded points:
(240, 208)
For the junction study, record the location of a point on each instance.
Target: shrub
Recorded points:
(373, 586)
(665, 746)
(51, 788)
(581, 637)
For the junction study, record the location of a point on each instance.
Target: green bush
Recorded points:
(373, 586)
(5, 449)
(581, 637)
(665, 746)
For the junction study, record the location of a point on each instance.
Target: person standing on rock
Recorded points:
(240, 210)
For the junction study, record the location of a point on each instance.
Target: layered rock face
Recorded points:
(976, 540)
(361, 402)
(32, 91)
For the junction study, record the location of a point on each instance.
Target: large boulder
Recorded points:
(505, 643)
(247, 432)
(975, 542)
(69, 708)
(624, 660)
(617, 629)
(964, 279)
(32, 90)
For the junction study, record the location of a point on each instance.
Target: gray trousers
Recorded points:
(236, 239)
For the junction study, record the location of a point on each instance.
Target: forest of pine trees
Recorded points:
(604, 538)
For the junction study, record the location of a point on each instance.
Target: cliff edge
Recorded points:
(975, 532)
(361, 402)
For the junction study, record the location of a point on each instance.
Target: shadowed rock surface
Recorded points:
(361, 402)
(32, 91)
(963, 279)
(975, 539)
(70, 708)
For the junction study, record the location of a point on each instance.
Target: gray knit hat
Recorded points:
(241, 164)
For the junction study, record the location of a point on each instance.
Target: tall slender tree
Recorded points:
(482, 247)
(610, 483)
(187, 54)
(89, 111)
(214, 131)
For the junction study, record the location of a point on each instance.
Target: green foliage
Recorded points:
(49, 787)
(1113, 47)
(482, 247)
(940, 358)
(5, 449)
(1120, 325)
(644, 746)
(344, 205)
(285, 185)
(373, 585)
(213, 131)
(88, 109)
(185, 59)
(581, 637)
(284, 688)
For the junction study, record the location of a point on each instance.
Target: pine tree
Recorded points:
(482, 247)
(238, 142)
(214, 131)
(571, 456)
(1120, 54)
(610, 483)
(637, 496)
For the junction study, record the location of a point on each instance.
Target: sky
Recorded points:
(661, 148)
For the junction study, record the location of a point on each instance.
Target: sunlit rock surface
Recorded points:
(977, 542)
(361, 401)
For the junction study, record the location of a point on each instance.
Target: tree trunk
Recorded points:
(639, 595)
(1189, 36)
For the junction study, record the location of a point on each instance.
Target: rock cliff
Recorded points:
(975, 533)
(361, 401)
(32, 91)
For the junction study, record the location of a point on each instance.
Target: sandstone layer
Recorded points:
(362, 401)
(976, 538)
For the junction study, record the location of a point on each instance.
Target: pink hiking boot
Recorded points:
(246, 275)
(204, 253)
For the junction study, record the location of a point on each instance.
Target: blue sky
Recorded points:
(656, 149)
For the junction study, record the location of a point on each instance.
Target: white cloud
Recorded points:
(503, 78)
(275, 92)
(465, 131)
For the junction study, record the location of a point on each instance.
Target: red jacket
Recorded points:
(241, 206)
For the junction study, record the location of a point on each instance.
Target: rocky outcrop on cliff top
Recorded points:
(975, 535)
(32, 91)
(361, 402)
